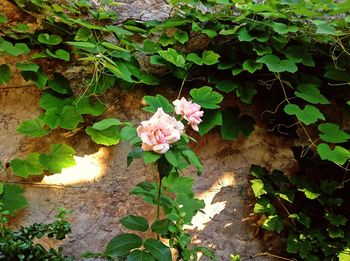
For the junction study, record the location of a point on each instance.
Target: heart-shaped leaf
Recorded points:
(310, 114)
(60, 156)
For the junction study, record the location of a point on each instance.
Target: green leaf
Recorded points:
(324, 27)
(151, 47)
(309, 193)
(210, 57)
(5, 73)
(206, 97)
(49, 39)
(122, 244)
(299, 54)
(263, 205)
(68, 118)
(336, 220)
(273, 223)
(83, 34)
(158, 250)
(135, 153)
(332, 133)
(210, 119)
(193, 57)
(251, 66)
(246, 92)
(181, 36)
(233, 125)
(3, 19)
(226, 86)
(139, 255)
(61, 156)
(82, 45)
(178, 184)
(28, 67)
(50, 101)
(275, 64)
(150, 157)
(310, 114)
(86, 105)
(258, 171)
(33, 72)
(127, 133)
(310, 93)
(158, 101)
(60, 84)
(338, 155)
(162, 226)
(258, 187)
(14, 50)
(345, 254)
(301, 218)
(12, 199)
(173, 56)
(194, 160)
(118, 30)
(33, 128)
(337, 74)
(105, 132)
(135, 223)
(60, 54)
(171, 158)
(30, 166)
(281, 28)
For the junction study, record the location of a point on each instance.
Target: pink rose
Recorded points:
(190, 111)
(159, 131)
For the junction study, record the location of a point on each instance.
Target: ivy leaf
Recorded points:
(251, 66)
(273, 223)
(309, 193)
(332, 133)
(50, 101)
(324, 27)
(226, 86)
(193, 57)
(14, 50)
(3, 19)
(5, 73)
(206, 97)
(178, 184)
(118, 30)
(246, 92)
(299, 54)
(335, 73)
(338, 155)
(158, 101)
(263, 205)
(33, 128)
(122, 244)
(82, 45)
(345, 254)
(61, 156)
(49, 39)
(258, 187)
(210, 119)
(210, 57)
(135, 223)
(258, 171)
(105, 132)
(12, 199)
(301, 218)
(233, 125)
(30, 166)
(282, 28)
(68, 118)
(33, 72)
(173, 56)
(336, 220)
(60, 84)
(275, 64)
(86, 105)
(158, 250)
(139, 255)
(310, 93)
(181, 36)
(59, 54)
(310, 114)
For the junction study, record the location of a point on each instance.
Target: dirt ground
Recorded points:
(97, 188)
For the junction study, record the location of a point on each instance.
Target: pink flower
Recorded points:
(190, 111)
(159, 131)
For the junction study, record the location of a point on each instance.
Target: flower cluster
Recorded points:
(161, 129)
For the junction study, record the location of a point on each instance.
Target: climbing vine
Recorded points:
(291, 58)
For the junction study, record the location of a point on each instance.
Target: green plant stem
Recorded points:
(158, 200)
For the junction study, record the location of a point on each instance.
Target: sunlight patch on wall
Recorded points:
(89, 168)
(200, 220)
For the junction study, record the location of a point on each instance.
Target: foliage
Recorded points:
(22, 245)
(291, 57)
